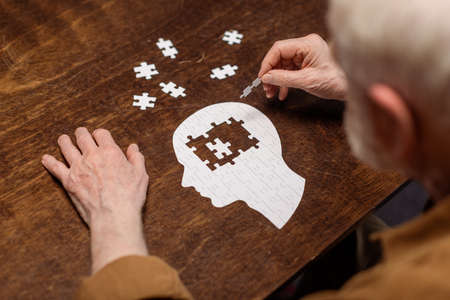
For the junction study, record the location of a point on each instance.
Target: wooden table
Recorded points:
(66, 64)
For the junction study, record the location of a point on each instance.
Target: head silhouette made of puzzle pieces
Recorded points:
(231, 151)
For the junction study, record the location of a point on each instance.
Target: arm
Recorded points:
(109, 190)
(305, 63)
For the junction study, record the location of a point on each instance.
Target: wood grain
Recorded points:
(65, 64)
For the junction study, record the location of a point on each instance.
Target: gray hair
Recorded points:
(402, 43)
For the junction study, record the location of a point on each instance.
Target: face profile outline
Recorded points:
(251, 169)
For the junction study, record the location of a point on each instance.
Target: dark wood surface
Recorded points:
(65, 64)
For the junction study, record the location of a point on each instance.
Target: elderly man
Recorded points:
(394, 59)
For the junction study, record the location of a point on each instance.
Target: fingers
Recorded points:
(69, 151)
(280, 57)
(272, 91)
(271, 59)
(283, 93)
(286, 49)
(103, 138)
(286, 65)
(135, 157)
(55, 167)
(284, 78)
(61, 172)
(84, 140)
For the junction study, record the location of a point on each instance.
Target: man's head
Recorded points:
(396, 55)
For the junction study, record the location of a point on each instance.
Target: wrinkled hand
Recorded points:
(305, 63)
(107, 188)
(101, 181)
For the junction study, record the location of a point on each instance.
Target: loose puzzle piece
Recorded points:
(232, 37)
(223, 72)
(167, 48)
(171, 89)
(213, 152)
(250, 88)
(144, 101)
(145, 70)
(219, 148)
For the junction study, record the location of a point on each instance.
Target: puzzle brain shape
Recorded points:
(212, 150)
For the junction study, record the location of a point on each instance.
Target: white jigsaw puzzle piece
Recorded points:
(223, 72)
(167, 48)
(144, 101)
(145, 70)
(172, 89)
(248, 90)
(256, 82)
(232, 37)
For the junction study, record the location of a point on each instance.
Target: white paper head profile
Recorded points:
(231, 151)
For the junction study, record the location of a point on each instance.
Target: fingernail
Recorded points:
(267, 78)
(136, 147)
(44, 158)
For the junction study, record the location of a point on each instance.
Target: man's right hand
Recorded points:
(305, 63)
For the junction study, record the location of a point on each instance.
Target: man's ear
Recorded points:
(393, 121)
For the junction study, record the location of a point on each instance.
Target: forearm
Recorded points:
(112, 238)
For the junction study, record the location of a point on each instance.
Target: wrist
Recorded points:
(113, 237)
(115, 222)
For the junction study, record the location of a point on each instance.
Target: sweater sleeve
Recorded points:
(132, 278)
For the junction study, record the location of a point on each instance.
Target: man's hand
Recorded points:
(107, 188)
(305, 63)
